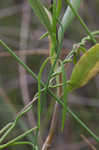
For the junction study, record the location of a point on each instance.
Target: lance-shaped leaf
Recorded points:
(68, 18)
(85, 69)
(42, 13)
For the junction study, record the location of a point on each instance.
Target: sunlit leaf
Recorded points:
(86, 68)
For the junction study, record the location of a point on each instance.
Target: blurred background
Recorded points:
(20, 29)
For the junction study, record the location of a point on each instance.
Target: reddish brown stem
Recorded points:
(48, 141)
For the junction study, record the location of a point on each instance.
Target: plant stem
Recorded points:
(17, 138)
(82, 124)
(18, 60)
(49, 91)
(53, 125)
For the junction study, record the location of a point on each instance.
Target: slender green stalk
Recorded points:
(54, 64)
(18, 59)
(13, 124)
(39, 88)
(67, 19)
(7, 132)
(22, 64)
(5, 128)
(17, 138)
(81, 21)
(49, 91)
(23, 143)
(76, 117)
(55, 51)
(82, 124)
(88, 37)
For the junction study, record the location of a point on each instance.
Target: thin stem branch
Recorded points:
(17, 138)
(49, 91)
(53, 125)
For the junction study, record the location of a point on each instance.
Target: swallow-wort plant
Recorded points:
(84, 69)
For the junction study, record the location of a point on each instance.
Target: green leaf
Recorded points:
(67, 18)
(85, 69)
(42, 12)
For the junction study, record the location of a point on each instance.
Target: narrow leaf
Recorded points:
(86, 68)
(42, 13)
(68, 18)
